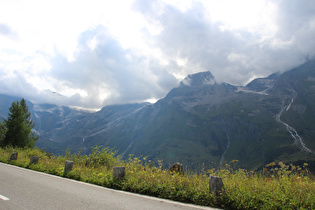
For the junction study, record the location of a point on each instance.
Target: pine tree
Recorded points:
(3, 131)
(19, 126)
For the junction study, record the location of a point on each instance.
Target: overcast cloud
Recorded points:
(91, 54)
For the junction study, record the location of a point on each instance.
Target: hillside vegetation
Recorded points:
(200, 121)
(278, 186)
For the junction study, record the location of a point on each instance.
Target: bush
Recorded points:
(278, 186)
(99, 157)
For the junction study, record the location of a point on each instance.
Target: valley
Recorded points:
(198, 123)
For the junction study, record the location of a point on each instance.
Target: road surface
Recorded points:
(25, 189)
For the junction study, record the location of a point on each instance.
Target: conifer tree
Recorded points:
(19, 126)
(3, 131)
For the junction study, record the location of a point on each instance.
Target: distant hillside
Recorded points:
(200, 121)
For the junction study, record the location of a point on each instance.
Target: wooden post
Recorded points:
(14, 156)
(119, 172)
(215, 184)
(68, 166)
(34, 160)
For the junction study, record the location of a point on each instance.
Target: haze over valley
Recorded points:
(198, 122)
(193, 81)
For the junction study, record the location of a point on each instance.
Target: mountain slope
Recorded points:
(200, 121)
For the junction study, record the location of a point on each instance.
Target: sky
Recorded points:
(94, 53)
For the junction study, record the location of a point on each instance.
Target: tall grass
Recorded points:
(278, 186)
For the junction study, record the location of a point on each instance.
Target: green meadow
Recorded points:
(277, 186)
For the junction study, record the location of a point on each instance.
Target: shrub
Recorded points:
(277, 186)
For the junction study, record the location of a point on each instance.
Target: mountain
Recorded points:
(198, 122)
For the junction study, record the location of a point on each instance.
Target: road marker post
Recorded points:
(14, 156)
(34, 160)
(215, 184)
(68, 166)
(119, 172)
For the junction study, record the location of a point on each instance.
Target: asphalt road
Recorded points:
(25, 189)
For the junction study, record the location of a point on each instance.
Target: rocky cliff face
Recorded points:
(200, 121)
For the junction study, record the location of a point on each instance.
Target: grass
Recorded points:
(278, 186)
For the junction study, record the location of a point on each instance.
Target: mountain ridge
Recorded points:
(199, 121)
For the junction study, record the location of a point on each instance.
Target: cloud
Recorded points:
(296, 22)
(108, 74)
(237, 55)
(117, 56)
(101, 73)
(18, 85)
(5, 30)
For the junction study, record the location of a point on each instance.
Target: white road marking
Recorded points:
(114, 190)
(4, 198)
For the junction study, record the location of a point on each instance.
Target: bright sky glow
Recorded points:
(97, 52)
(239, 14)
